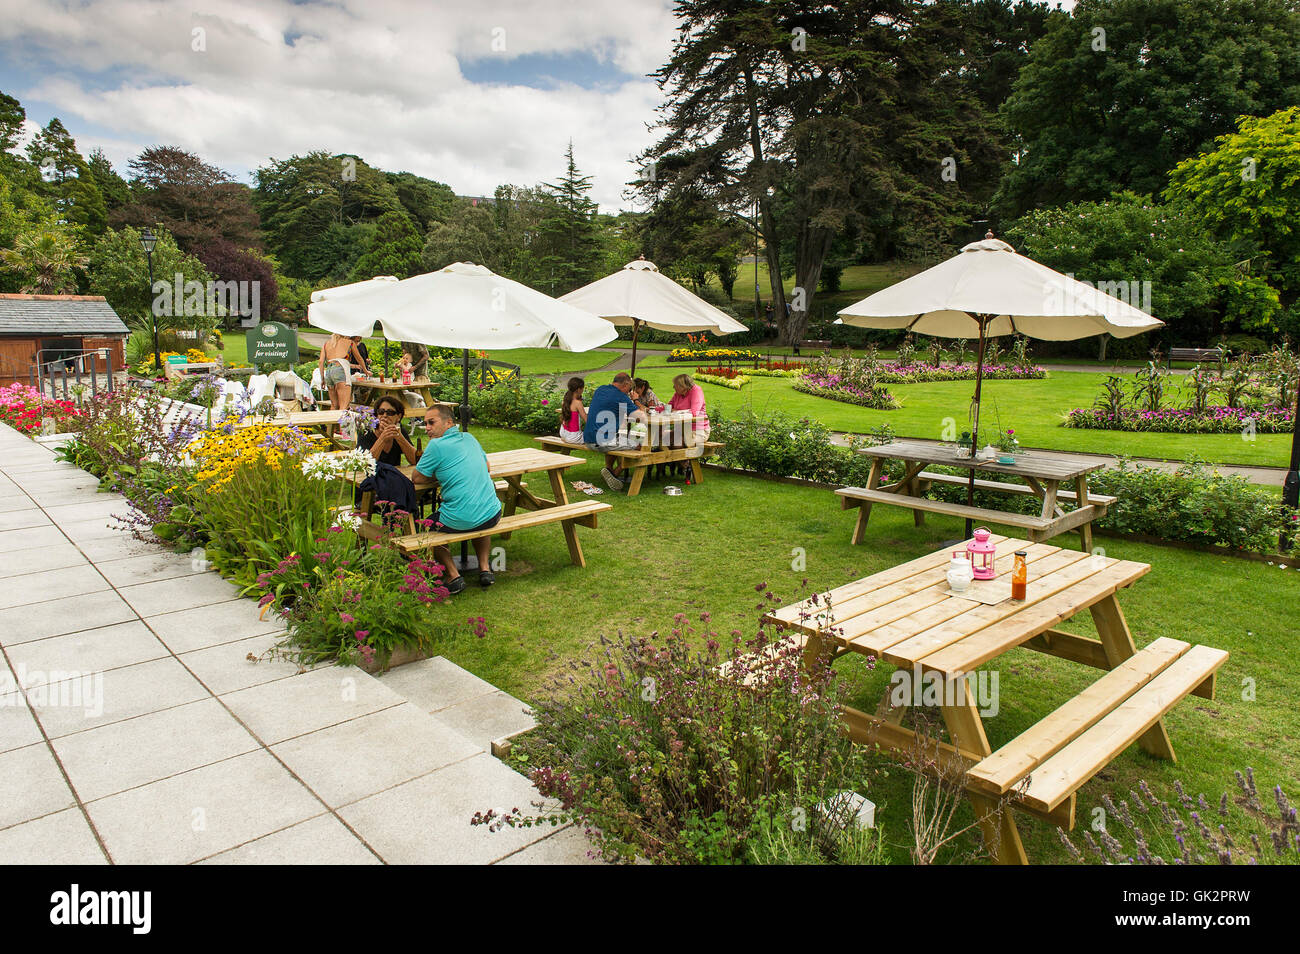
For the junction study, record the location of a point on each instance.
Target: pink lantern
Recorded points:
(981, 555)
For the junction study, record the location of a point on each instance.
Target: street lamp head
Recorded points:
(148, 240)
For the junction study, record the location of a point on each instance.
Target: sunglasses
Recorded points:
(388, 412)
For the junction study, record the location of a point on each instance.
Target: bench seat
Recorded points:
(1051, 760)
(957, 480)
(856, 496)
(582, 512)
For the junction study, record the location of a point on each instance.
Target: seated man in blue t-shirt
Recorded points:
(608, 414)
(456, 461)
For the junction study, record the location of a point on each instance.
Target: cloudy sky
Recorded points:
(470, 93)
(473, 93)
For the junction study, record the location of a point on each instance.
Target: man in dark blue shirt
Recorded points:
(608, 415)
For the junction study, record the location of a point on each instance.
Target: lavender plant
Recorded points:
(1184, 830)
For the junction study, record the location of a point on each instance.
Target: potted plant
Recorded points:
(964, 448)
(1007, 445)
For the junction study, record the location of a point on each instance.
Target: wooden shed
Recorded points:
(57, 328)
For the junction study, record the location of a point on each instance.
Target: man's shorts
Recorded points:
(622, 442)
(441, 527)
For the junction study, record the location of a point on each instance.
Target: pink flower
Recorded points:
(361, 635)
(345, 618)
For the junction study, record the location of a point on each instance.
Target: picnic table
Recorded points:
(508, 468)
(670, 438)
(1041, 474)
(907, 616)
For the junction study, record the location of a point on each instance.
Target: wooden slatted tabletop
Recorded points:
(906, 616)
(1028, 463)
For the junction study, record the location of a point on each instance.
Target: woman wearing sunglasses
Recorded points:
(386, 442)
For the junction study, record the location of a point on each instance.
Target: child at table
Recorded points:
(573, 416)
(405, 368)
(644, 396)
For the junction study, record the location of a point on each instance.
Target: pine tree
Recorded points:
(568, 238)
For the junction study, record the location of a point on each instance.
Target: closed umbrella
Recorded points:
(987, 290)
(639, 294)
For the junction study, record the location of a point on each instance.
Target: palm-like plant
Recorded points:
(46, 258)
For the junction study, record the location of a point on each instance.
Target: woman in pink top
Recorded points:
(689, 396)
(572, 414)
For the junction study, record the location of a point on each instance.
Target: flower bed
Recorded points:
(268, 509)
(734, 381)
(23, 408)
(1213, 420)
(893, 372)
(837, 388)
(778, 369)
(712, 354)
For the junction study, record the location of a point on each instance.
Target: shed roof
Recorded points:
(55, 315)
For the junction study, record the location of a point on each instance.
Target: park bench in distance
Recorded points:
(1194, 354)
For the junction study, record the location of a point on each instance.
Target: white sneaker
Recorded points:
(610, 480)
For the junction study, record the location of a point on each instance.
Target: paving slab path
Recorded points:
(135, 729)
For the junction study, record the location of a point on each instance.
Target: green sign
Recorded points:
(178, 359)
(272, 342)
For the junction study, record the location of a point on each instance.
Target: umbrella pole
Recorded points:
(636, 328)
(464, 426)
(975, 425)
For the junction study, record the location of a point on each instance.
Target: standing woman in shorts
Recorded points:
(335, 356)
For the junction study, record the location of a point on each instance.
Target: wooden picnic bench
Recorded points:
(813, 344)
(507, 469)
(639, 461)
(906, 616)
(1042, 475)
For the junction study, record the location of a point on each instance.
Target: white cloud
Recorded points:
(380, 79)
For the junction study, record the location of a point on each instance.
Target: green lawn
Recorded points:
(654, 556)
(1033, 408)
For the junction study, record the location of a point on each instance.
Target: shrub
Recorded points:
(351, 603)
(665, 752)
(1194, 831)
(523, 403)
(784, 446)
(1193, 504)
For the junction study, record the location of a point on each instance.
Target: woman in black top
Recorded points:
(386, 442)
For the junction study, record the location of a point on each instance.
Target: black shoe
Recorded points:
(486, 578)
(456, 586)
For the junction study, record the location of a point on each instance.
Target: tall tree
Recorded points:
(394, 250)
(12, 117)
(1247, 191)
(313, 208)
(1119, 91)
(568, 238)
(193, 200)
(119, 271)
(111, 186)
(424, 200)
(836, 119)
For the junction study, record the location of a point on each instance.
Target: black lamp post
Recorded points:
(147, 241)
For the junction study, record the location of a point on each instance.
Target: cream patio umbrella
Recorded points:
(461, 306)
(988, 290)
(639, 294)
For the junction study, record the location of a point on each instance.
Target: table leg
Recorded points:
(571, 538)
(1117, 642)
(558, 490)
(697, 472)
(1085, 529)
(966, 731)
(638, 475)
(864, 511)
(910, 486)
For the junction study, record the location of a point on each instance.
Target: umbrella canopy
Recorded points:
(988, 287)
(460, 306)
(339, 291)
(639, 294)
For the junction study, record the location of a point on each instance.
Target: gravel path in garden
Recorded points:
(134, 728)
